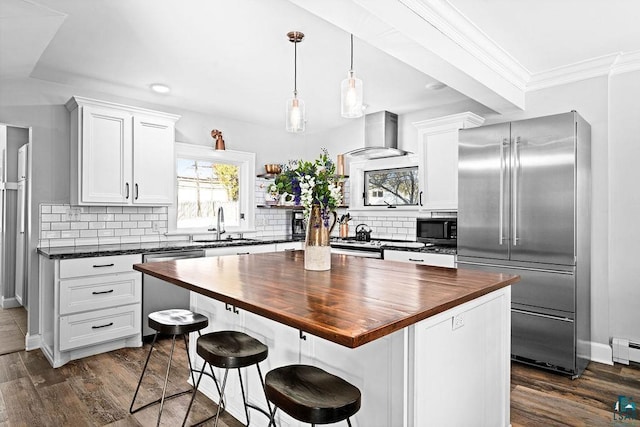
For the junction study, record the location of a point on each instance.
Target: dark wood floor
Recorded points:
(96, 391)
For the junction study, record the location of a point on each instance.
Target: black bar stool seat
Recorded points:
(230, 350)
(177, 322)
(312, 395)
(172, 322)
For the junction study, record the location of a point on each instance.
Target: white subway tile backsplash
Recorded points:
(59, 209)
(70, 234)
(88, 233)
(101, 225)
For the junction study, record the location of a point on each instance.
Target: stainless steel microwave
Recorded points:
(440, 231)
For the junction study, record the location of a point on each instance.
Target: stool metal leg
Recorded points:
(131, 411)
(166, 378)
(224, 383)
(193, 396)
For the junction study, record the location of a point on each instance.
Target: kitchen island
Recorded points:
(426, 345)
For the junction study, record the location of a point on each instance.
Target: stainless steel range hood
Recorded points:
(380, 137)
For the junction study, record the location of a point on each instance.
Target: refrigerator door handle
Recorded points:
(516, 170)
(505, 142)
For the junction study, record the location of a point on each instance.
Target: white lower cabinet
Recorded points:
(437, 260)
(418, 376)
(89, 306)
(375, 368)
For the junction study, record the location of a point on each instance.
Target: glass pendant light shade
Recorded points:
(351, 96)
(295, 115)
(295, 119)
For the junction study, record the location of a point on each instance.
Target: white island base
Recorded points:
(451, 369)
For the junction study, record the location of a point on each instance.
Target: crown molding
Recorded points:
(447, 19)
(443, 16)
(448, 123)
(626, 62)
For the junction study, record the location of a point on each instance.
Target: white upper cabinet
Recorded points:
(438, 157)
(120, 155)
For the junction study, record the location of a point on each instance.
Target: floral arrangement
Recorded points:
(311, 183)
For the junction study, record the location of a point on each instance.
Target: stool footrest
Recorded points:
(155, 402)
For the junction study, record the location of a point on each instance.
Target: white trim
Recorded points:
(462, 31)
(601, 353)
(626, 63)
(32, 342)
(448, 123)
(570, 73)
(247, 163)
(11, 302)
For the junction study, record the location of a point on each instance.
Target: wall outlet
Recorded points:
(458, 322)
(154, 226)
(73, 214)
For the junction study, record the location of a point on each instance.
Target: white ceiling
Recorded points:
(232, 58)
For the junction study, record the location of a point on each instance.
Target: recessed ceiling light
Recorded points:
(160, 88)
(435, 86)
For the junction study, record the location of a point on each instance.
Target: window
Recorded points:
(207, 179)
(391, 187)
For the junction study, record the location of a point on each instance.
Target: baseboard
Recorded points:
(32, 342)
(10, 302)
(601, 353)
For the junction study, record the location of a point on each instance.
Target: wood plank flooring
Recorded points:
(13, 327)
(97, 391)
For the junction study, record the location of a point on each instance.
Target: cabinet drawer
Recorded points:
(98, 265)
(438, 260)
(93, 293)
(79, 330)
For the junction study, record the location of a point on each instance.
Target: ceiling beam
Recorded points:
(437, 40)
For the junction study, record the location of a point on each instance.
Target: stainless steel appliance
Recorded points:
(524, 208)
(297, 224)
(439, 231)
(160, 295)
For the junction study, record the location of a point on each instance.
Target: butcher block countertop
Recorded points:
(359, 300)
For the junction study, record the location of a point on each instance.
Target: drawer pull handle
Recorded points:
(289, 250)
(242, 253)
(416, 260)
(102, 326)
(102, 292)
(103, 265)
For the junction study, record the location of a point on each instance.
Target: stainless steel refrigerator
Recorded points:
(524, 197)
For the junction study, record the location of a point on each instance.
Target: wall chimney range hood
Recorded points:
(380, 137)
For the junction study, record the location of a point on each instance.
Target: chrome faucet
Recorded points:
(220, 224)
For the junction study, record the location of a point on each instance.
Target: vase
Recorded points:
(317, 249)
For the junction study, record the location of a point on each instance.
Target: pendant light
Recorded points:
(351, 93)
(295, 106)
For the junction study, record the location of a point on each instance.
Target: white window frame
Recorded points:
(356, 181)
(246, 163)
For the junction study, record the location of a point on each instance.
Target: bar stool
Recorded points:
(230, 350)
(311, 395)
(170, 322)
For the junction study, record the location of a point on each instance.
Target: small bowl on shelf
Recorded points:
(273, 168)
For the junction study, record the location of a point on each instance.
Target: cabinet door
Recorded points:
(106, 156)
(439, 180)
(153, 163)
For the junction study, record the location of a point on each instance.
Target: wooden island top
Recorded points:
(359, 300)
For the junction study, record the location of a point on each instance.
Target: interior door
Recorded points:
(543, 196)
(483, 192)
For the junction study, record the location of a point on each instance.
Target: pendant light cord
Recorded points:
(351, 53)
(295, 68)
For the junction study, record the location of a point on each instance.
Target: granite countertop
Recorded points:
(67, 252)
